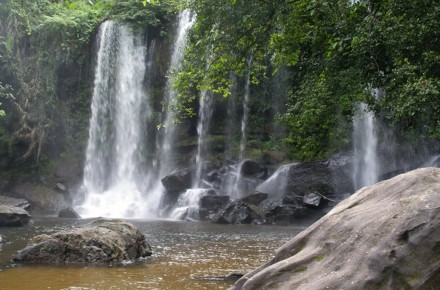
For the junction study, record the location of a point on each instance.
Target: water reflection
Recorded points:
(186, 256)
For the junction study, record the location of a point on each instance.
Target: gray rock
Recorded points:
(385, 236)
(312, 199)
(250, 168)
(178, 181)
(238, 212)
(210, 204)
(16, 202)
(61, 187)
(100, 242)
(41, 197)
(68, 213)
(11, 216)
(328, 178)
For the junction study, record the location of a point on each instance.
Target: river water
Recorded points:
(186, 255)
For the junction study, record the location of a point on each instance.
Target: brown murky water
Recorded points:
(187, 255)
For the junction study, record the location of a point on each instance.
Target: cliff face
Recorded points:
(385, 236)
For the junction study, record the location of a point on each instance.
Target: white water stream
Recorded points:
(119, 108)
(366, 163)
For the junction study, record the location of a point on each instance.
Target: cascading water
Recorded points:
(119, 108)
(188, 203)
(244, 120)
(365, 144)
(231, 118)
(235, 184)
(276, 184)
(205, 113)
(164, 145)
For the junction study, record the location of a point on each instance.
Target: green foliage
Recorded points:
(39, 38)
(335, 52)
(6, 93)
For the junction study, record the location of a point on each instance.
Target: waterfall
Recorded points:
(120, 106)
(244, 120)
(164, 148)
(205, 113)
(231, 123)
(165, 154)
(365, 145)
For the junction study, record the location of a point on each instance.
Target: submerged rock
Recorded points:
(11, 216)
(100, 242)
(385, 236)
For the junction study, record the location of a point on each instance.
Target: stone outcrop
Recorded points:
(386, 236)
(100, 242)
(11, 216)
(16, 202)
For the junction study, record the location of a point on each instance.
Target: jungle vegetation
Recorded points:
(335, 54)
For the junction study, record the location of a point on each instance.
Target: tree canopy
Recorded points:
(337, 53)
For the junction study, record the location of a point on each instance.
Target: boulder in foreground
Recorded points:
(11, 216)
(386, 236)
(100, 242)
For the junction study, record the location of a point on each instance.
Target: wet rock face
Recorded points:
(11, 216)
(100, 242)
(385, 236)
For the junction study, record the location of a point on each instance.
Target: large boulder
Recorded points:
(100, 242)
(331, 177)
(16, 202)
(11, 216)
(238, 212)
(385, 236)
(251, 168)
(211, 204)
(41, 197)
(178, 181)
